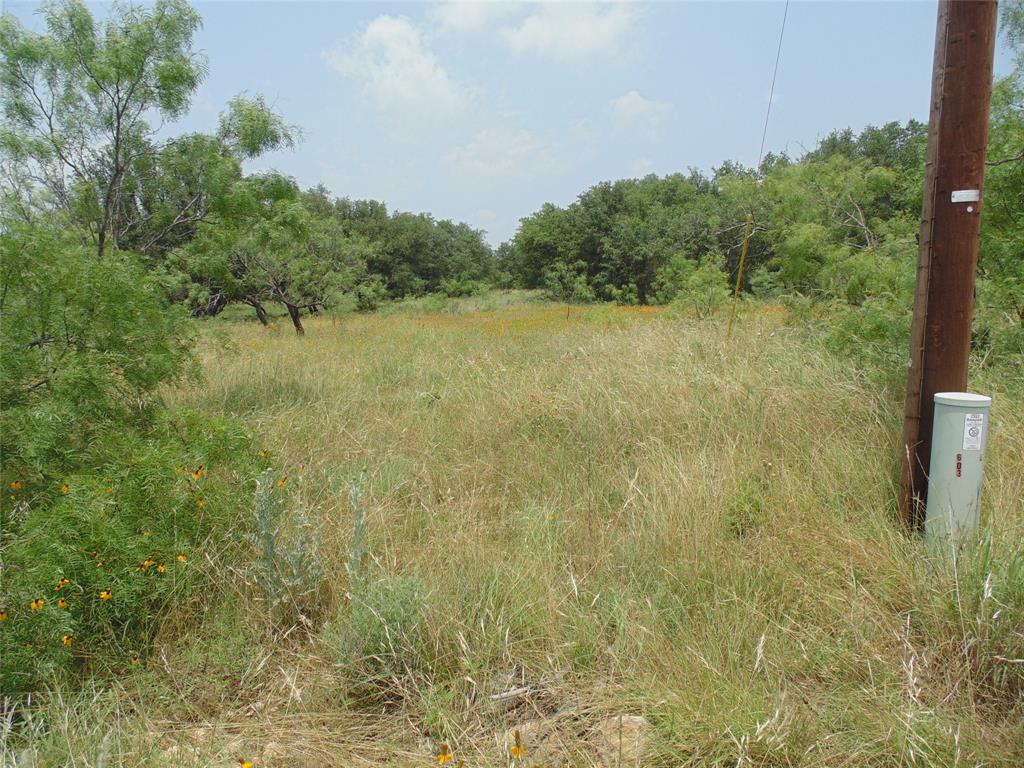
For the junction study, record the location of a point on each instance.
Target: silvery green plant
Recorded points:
(287, 569)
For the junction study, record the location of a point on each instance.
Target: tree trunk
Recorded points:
(261, 313)
(293, 312)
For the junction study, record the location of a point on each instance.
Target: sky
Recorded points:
(482, 112)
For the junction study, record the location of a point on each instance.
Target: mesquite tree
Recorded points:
(78, 98)
(77, 110)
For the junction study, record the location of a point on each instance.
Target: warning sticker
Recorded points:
(974, 427)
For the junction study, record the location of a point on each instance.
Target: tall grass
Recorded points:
(562, 521)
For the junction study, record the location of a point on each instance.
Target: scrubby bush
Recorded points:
(455, 288)
(370, 294)
(109, 499)
(568, 283)
(698, 287)
(876, 335)
(380, 637)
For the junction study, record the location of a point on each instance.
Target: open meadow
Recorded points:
(395, 416)
(631, 539)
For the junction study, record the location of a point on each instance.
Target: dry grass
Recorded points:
(612, 513)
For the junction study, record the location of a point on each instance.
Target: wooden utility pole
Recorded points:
(950, 222)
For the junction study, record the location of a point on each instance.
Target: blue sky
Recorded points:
(482, 112)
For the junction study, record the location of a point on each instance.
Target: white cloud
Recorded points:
(399, 73)
(631, 109)
(571, 30)
(581, 129)
(502, 154)
(459, 16)
(641, 166)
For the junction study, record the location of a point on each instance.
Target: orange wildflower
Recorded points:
(445, 756)
(517, 751)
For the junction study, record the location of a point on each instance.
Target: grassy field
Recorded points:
(631, 539)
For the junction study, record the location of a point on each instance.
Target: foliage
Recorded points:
(85, 344)
(78, 98)
(110, 546)
(107, 492)
(370, 294)
(697, 287)
(381, 638)
(287, 568)
(111, 499)
(269, 246)
(567, 283)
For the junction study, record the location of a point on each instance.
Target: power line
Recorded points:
(750, 216)
(771, 95)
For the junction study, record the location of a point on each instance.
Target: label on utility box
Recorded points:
(974, 427)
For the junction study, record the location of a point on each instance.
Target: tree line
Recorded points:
(82, 154)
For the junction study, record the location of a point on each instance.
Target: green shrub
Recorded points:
(568, 283)
(998, 338)
(110, 548)
(370, 294)
(700, 288)
(875, 334)
(84, 345)
(381, 637)
(455, 288)
(110, 502)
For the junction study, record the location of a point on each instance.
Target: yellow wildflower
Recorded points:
(445, 756)
(243, 763)
(282, 481)
(147, 564)
(264, 453)
(62, 603)
(134, 659)
(65, 489)
(61, 583)
(67, 641)
(181, 557)
(3, 615)
(518, 752)
(106, 594)
(200, 471)
(110, 489)
(16, 485)
(161, 568)
(37, 605)
(200, 503)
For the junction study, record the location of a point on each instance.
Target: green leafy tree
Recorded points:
(77, 99)
(76, 123)
(269, 247)
(701, 287)
(568, 283)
